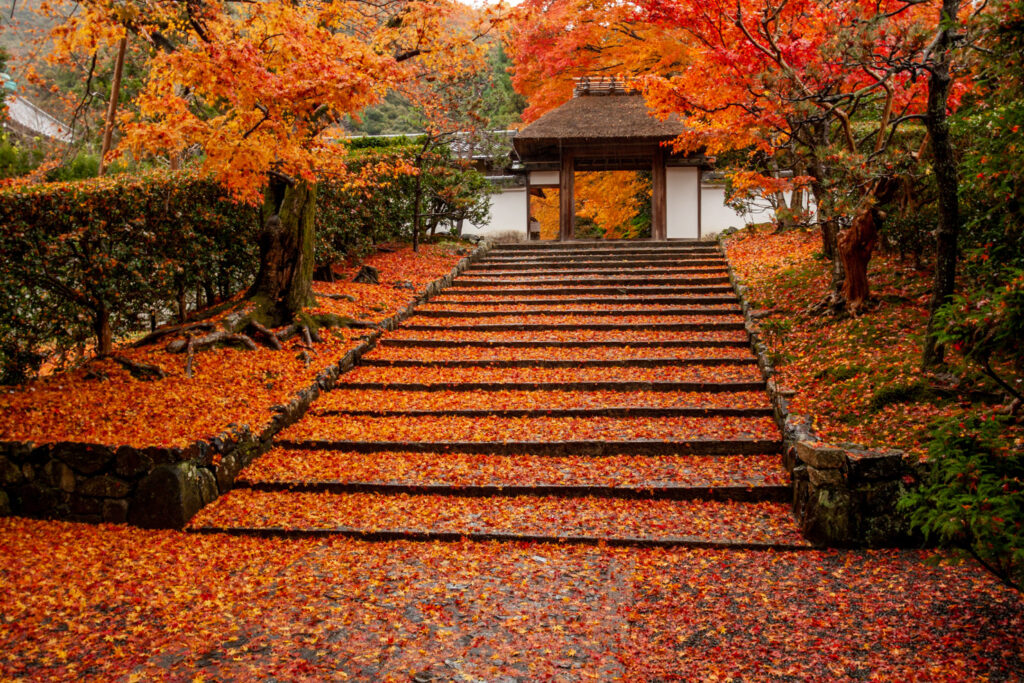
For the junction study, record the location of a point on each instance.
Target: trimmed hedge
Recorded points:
(111, 252)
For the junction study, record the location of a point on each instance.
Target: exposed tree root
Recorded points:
(143, 371)
(157, 335)
(190, 350)
(212, 339)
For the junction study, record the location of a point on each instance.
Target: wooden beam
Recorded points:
(700, 200)
(566, 197)
(659, 225)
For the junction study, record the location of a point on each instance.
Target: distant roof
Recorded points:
(596, 116)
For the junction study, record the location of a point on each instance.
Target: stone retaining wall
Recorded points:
(160, 487)
(843, 495)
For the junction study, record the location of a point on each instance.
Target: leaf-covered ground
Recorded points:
(472, 469)
(382, 399)
(458, 428)
(229, 385)
(859, 378)
(98, 603)
(444, 375)
(634, 335)
(512, 353)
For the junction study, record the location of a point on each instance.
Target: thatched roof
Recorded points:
(595, 118)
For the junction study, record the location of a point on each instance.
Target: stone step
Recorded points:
(724, 476)
(634, 290)
(577, 413)
(612, 385)
(578, 300)
(641, 324)
(505, 311)
(499, 431)
(553, 401)
(650, 356)
(575, 337)
(591, 521)
(623, 269)
(606, 248)
(562, 263)
(447, 343)
(555, 362)
(441, 375)
(464, 282)
(577, 447)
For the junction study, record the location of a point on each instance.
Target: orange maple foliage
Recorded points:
(229, 385)
(263, 86)
(611, 199)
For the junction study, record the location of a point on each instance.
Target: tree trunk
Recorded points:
(944, 165)
(101, 326)
(115, 94)
(285, 279)
(417, 200)
(855, 245)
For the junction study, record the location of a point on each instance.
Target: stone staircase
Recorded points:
(583, 392)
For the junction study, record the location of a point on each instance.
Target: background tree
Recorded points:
(260, 89)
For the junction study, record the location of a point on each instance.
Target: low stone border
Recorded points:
(162, 487)
(843, 495)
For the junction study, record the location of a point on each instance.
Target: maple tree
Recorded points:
(260, 89)
(828, 91)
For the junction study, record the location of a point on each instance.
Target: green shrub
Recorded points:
(80, 256)
(972, 499)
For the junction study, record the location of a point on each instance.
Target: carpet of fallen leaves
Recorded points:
(98, 603)
(722, 521)
(519, 277)
(499, 308)
(841, 368)
(382, 399)
(458, 375)
(459, 428)
(570, 319)
(580, 335)
(229, 385)
(471, 469)
(512, 353)
(448, 297)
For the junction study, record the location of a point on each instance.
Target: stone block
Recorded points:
(82, 457)
(131, 462)
(167, 497)
(226, 471)
(65, 478)
(820, 457)
(86, 507)
(10, 473)
(872, 466)
(33, 499)
(106, 486)
(825, 478)
(115, 511)
(207, 485)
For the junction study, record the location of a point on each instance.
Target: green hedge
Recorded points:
(81, 255)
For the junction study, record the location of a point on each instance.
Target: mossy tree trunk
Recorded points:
(284, 284)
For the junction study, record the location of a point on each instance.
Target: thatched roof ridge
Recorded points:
(597, 118)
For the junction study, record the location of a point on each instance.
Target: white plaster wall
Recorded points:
(716, 216)
(681, 196)
(508, 212)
